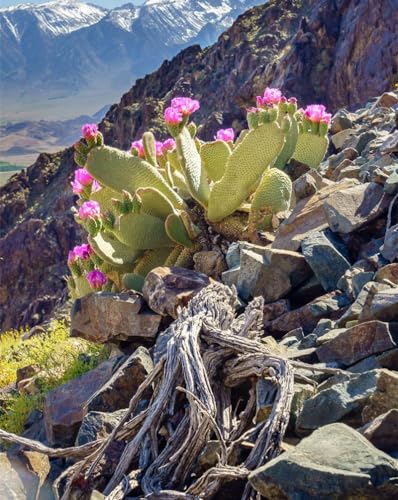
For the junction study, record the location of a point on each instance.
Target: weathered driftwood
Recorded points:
(210, 352)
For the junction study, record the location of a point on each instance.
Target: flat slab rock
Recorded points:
(349, 209)
(167, 288)
(102, 317)
(382, 432)
(335, 462)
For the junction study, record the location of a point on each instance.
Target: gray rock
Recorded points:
(382, 432)
(327, 263)
(356, 343)
(97, 425)
(272, 275)
(391, 184)
(350, 209)
(389, 250)
(364, 140)
(390, 144)
(104, 317)
(304, 186)
(384, 305)
(323, 327)
(231, 276)
(233, 255)
(334, 463)
(340, 121)
(293, 337)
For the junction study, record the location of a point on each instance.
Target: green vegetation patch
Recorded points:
(58, 358)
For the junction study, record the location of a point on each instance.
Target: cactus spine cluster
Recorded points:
(137, 206)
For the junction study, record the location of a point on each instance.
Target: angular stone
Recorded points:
(104, 316)
(327, 263)
(24, 476)
(64, 407)
(273, 310)
(390, 144)
(272, 274)
(341, 139)
(233, 255)
(304, 186)
(116, 393)
(386, 100)
(388, 272)
(384, 398)
(383, 306)
(349, 209)
(340, 121)
(382, 432)
(331, 305)
(358, 342)
(167, 288)
(211, 262)
(335, 462)
(307, 216)
(98, 425)
(231, 276)
(389, 250)
(391, 184)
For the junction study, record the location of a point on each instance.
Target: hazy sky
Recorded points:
(103, 3)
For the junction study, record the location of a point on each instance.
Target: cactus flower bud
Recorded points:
(185, 105)
(159, 148)
(172, 116)
(71, 256)
(137, 148)
(226, 134)
(96, 278)
(83, 251)
(89, 131)
(89, 210)
(317, 113)
(168, 145)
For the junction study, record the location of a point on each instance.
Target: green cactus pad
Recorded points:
(104, 197)
(173, 256)
(244, 168)
(152, 259)
(272, 195)
(111, 250)
(177, 231)
(290, 144)
(191, 164)
(133, 281)
(232, 227)
(310, 149)
(154, 203)
(148, 141)
(185, 259)
(120, 171)
(142, 232)
(82, 287)
(214, 157)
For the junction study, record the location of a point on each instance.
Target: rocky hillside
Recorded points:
(340, 53)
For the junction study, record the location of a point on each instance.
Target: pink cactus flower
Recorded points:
(139, 147)
(96, 278)
(253, 109)
(89, 130)
(71, 256)
(83, 177)
(95, 186)
(159, 148)
(89, 209)
(77, 188)
(83, 251)
(168, 145)
(317, 113)
(172, 116)
(271, 96)
(185, 105)
(225, 134)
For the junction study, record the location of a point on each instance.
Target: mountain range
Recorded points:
(72, 57)
(339, 53)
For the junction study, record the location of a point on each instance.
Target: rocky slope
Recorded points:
(339, 53)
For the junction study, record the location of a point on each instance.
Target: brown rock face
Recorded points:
(167, 288)
(339, 53)
(382, 432)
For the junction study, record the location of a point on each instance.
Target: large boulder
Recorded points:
(334, 463)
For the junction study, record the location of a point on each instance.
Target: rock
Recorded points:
(364, 139)
(355, 278)
(272, 274)
(304, 186)
(331, 305)
(231, 276)
(335, 462)
(65, 406)
(98, 425)
(233, 255)
(292, 338)
(356, 399)
(33, 332)
(307, 216)
(327, 263)
(24, 476)
(386, 100)
(391, 184)
(389, 250)
(104, 317)
(349, 209)
(340, 121)
(116, 393)
(167, 288)
(334, 161)
(273, 310)
(388, 272)
(390, 144)
(358, 342)
(383, 305)
(341, 139)
(382, 432)
(26, 372)
(212, 263)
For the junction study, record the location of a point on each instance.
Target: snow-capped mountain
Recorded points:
(62, 47)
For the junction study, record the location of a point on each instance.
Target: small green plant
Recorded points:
(58, 358)
(140, 208)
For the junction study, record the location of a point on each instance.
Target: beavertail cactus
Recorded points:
(151, 206)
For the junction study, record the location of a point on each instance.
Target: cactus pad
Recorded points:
(214, 156)
(142, 232)
(310, 149)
